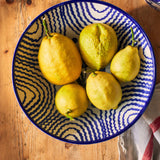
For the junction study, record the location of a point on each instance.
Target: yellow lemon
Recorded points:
(125, 65)
(71, 100)
(59, 59)
(103, 90)
(98, 43)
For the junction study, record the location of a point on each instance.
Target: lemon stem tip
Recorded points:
(67, 114)
(46, 29)
(133, 40)
(94, 74)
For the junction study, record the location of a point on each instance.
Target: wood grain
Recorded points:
(19, 138)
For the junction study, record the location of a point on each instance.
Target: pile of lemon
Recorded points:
(60, 61)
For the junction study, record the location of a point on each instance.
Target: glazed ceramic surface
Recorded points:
(154, 3)
(36, 95)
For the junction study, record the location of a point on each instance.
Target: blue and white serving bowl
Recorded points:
(154, 3)
(36, 95)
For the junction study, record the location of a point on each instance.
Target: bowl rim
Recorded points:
(153, 59)
(154, 4)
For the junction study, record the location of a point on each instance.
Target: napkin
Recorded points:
(142, 140)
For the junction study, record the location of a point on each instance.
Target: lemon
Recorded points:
(103, 90)
(71, 100)
(125, 65)
(59, 59)
(98, 43)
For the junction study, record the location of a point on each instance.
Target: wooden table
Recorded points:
(19, 138)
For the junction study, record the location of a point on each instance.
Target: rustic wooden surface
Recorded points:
(19, 138)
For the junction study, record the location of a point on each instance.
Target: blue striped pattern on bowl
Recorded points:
(154, 3)
(36, 95)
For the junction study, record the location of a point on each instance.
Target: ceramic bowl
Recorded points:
(154, 3)
(36, 95)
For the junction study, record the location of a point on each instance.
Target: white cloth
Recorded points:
(142, 140)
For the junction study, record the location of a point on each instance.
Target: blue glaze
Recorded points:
(154, 3)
